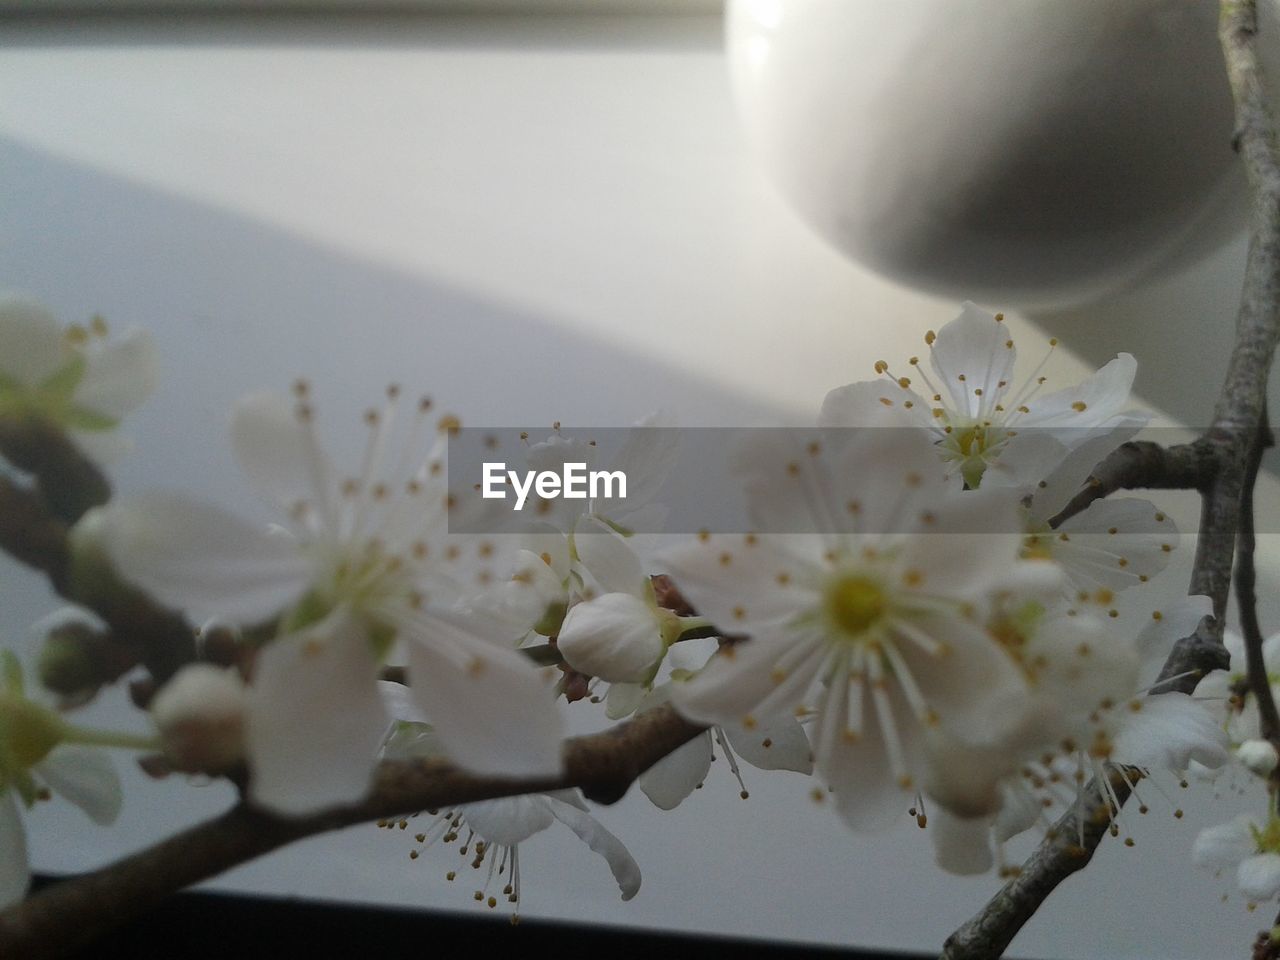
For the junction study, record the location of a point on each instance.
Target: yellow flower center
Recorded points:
(855, 603)
(1268, 838)
(27, 731)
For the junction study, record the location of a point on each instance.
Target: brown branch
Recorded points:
(1142, 464)
(61, 918)
(68, 483)
(31, 532)
(1068, 848)
(1222, 454)
(1247, 598)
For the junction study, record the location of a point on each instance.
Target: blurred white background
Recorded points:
(534, 219)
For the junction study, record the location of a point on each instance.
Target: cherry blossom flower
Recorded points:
(1228, 692)
(615, 630)
(492, 830)
(73, 376)
(1113, 544)
(41, 753)
(1248, 844)
(985, 423)
(779, 744)
(1107, 723)
(364, 564)
(886, 627)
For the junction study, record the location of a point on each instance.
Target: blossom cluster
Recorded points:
(922, 629)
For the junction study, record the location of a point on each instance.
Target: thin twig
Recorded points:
(68, 482)
(1247, 598)
(1141, 464)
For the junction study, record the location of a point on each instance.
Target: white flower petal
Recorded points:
(1167, 731)
(120, 376)
(1071, 473)
(279, 454)
(961, 845)
(611, 563)
(314, 718)
(965, 779)
(976, 690)
(746, 584)
(1177, 620)
(1093, 402)
(87, 778)
(977, 347)
(1259, 877)
(616, 637)
(623, 866)
(677, 774)
(15, 874)
(647, 457)
(518, 605)
(1139, 548)
(971, 546)
(507, 821)
(488, 704)
(202, 559)
(1081, 662)
(879, 481)
(32, 346)
(623, 699)
(400, 705)
(874, 403)
(736, 681)
(856, 769)
(1225, 844)
(1214, 686)
(1020, 811)
(1025, 459)
(779, 744)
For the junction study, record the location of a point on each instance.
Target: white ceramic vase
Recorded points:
(1022, 153)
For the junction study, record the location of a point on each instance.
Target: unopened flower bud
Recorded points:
(200, 716)
(1259, 756)
(92, 574)
(616, 637)
(67, 665)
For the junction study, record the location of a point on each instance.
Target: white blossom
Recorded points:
(73, 376)
(1107, 723)
(985, 423)
(778, 744)
(1113, 544)
(1248, 844)
(885, 627)
(494, 829)
(39, 753)
(363, 564)
(1228, 692)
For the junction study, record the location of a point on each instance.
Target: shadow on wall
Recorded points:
(237, 305)
(1180, 329)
